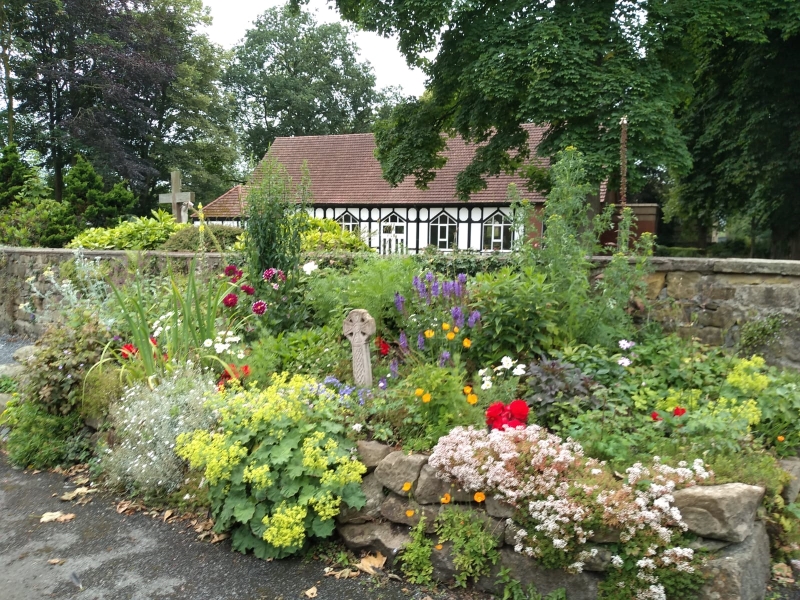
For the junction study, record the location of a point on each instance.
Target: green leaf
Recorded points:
(322, 529)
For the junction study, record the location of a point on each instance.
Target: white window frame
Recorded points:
(497, 230)
(443, 225)
(393, 229)
(348, 223)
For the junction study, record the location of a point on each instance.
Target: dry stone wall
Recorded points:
(724, 517)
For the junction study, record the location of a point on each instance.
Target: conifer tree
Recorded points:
(13, 174)
(84, 191)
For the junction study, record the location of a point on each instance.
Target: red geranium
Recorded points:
(498, 415)
(383, 347)
(655, 416)
(129, 351)
(678, 411)
(233, 372)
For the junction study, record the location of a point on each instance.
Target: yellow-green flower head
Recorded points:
(286, 528)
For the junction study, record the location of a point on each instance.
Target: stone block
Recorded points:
(721, 512)
(373, 490)
(792, 466)
(683, 285)
(740, 571)
(23, 354)
(386, 538)
(372, 453)
(707, 335)
(582, 586)
(722, 318)
(600, 559)
(655, 283)
(442, 560)
(12, 370)
(430, 489)
(399, 468)
(396, 509)
(707, 545)
(499, 509)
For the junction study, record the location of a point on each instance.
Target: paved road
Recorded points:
(140, 558)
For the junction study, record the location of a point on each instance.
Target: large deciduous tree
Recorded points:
(291, 76)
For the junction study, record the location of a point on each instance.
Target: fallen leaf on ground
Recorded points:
(343, 574)
(370, 563)
(81, 491)
(427, 598)
(57, 516)
(56, 561)
(311, 592)
(123, 506)
(36, 472)
(395, 577)
(218, 537)
(167, 515)
(82, 480)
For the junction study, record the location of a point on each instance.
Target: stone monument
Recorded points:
(358, 327)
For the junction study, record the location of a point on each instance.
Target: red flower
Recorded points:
(230, 270)
(230, 300)
(678, 411)
(236, 276)
(494, 411)
(519, 410)
(654, 415)
(129, 351)
(383, 347)
(248, 289)
(245, 370)
(154, 341)
(233, 372)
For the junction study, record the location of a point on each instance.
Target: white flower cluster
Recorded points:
(507, 365)
(222, 344)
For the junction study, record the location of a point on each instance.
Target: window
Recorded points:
(443, 232)
(497, 233)
(348, 222)
(393, 234)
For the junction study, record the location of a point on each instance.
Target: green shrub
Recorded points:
(415, 557)
(474, 546)
(188, 239)
(101, 388)
(8, 385)
(140, 233)
(277, 464)
(327, 235)
(317, 352)
(40, 440)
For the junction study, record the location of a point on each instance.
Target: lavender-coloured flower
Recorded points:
(330, 380)
(399, 302)
(421, 341)
(403, 341)
(435, 289)
(458, 316)
(429, 276)
(346, 390)
(462, 278)
(473, 319)
(443, 358)
(394, 366)
(382, 383)
(420, 287)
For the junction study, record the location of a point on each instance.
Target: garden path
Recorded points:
(136, 557)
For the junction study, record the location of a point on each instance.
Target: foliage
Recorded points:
(84, 191)
(415, 558)
(327, 235)
(13, 174)
(65, 353)
(276, 218)
(8, 385)
(293, 77)
(190, 239)
(40, 439)
(552, 385)
(277, 465)
(139, 233)
(317, 352)
(101, 388)
(35, 219)
(145, 422)
(512, 589)
(759, 333)
(474, 545)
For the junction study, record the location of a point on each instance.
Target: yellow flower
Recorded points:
(467, 343)
(472, 399)
(467, 389)
(479, 496)
(450, 335)
(445, 499)
(406, 486)
(456, 329)
(426, 398)
(409, 513)
(429, 333)
(419, 392)
(781, 438)
(445, 326)
(438, 546)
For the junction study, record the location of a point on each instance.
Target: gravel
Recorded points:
(10, 344)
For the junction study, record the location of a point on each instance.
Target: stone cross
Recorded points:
(358, 327)
(179, 200)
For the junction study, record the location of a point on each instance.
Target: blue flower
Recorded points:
(403, 341)
(421, 341)
(382, 383)
(399, 302)
(474, 317)
(443, 358)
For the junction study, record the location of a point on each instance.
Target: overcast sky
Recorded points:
(233, 17)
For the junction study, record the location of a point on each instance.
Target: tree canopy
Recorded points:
(292, 76)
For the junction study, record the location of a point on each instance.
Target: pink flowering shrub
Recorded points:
(564, 498)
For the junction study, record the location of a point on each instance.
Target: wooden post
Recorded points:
(623, 161)
(176, 189)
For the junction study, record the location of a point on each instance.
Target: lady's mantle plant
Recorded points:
(563, 499)
(277, 464)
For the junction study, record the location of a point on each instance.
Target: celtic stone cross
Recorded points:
(358, 327)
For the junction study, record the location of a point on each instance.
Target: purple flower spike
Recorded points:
(458, 289)
(429, 276)
(462, 278)
(421, 341)
(399, 302)
(474, 317)
(443, 358)
(458, 316)
(403, 341)
(435, 289)
(394, 367)
(382, 383)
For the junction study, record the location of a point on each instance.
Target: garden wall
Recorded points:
(710, 299)
(724, 517)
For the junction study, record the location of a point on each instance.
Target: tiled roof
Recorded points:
(344, 171)
(227, 205)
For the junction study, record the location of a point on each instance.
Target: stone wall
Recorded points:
(722, 516)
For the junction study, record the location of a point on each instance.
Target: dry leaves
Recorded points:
(76, 493)
(343, 574)
(129, 507)
(311, 592)
(56, 561)
(782, 573)
(371, 564)
(58, 517)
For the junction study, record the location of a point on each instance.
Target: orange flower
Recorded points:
(456, 329)
(467, 389)
(409, 513)
(429, 333)
(419, 392)
(426, 398)
(466, 343)
(450, 336)
(472, 399)
(406, 486)
(445, 499)
(445, 326)
(781, 438)
(479, 496)
(438, 546)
